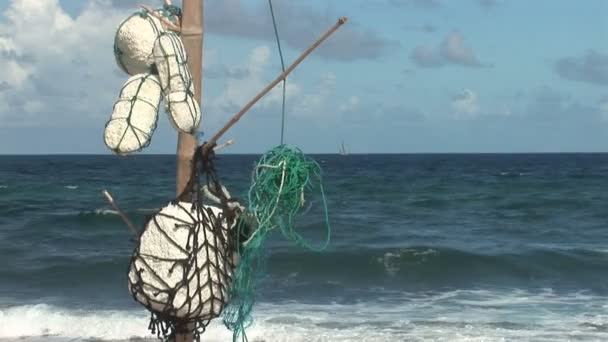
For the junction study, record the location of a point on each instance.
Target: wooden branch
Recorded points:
(120, 212)
(169, 25)
(272, 84)
(224, 145)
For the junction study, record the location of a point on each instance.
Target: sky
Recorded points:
(402, 76)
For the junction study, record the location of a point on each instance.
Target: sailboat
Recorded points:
(343, 151)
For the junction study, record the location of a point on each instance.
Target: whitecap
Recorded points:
(105, 212)
(455, 316)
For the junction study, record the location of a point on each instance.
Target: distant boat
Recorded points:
(343, 151)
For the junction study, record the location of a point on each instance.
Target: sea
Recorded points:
(424, 247)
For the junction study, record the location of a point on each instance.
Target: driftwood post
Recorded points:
(192, 36)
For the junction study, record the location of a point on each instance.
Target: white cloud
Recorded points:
(55, 65)
(351, 105)
(60, 70)
(465, 105)
(7, 46)
(313, 104)
(301, 24)
(33, 106)
(452, 50)
(238, 91)
(32, 22)
(310, 103)
(14, 74)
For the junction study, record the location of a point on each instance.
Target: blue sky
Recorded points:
(401, 76)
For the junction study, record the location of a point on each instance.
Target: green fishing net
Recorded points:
(171, 12)
(283, 181)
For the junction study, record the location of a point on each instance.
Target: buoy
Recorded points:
(134, 115)
(183, 264)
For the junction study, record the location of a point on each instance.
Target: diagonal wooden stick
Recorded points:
(120, 212)
(124, 216)
(224, 145)
(282, 76)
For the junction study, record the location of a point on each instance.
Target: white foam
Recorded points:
(71, 187)
(45, 320)
(105, 212)
(455, 316)
(147, 210)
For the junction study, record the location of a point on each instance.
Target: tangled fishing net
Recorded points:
(196, 261)
(282, 181)
(201, 256)
(182, 267)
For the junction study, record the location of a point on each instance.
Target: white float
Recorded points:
(134, 114)
(154, 273)
(176, 80)
(134, 41)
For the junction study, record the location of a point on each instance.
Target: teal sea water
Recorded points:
(424, 248)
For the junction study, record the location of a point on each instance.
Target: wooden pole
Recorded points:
(192, 36)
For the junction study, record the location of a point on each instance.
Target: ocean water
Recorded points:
(424, 248)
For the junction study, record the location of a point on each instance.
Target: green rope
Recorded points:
(276, 34)
(282, 181)
(171, 12)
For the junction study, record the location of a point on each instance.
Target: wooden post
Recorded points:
(192, 36)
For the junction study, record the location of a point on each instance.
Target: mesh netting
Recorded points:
(283, 179)
(176, 80)
(134, 115)
(182, 267)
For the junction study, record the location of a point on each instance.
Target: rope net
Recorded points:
(171, 12)
(282, 181)
(176, 80)
(182, 267)
(202, 255)
(134, 115)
